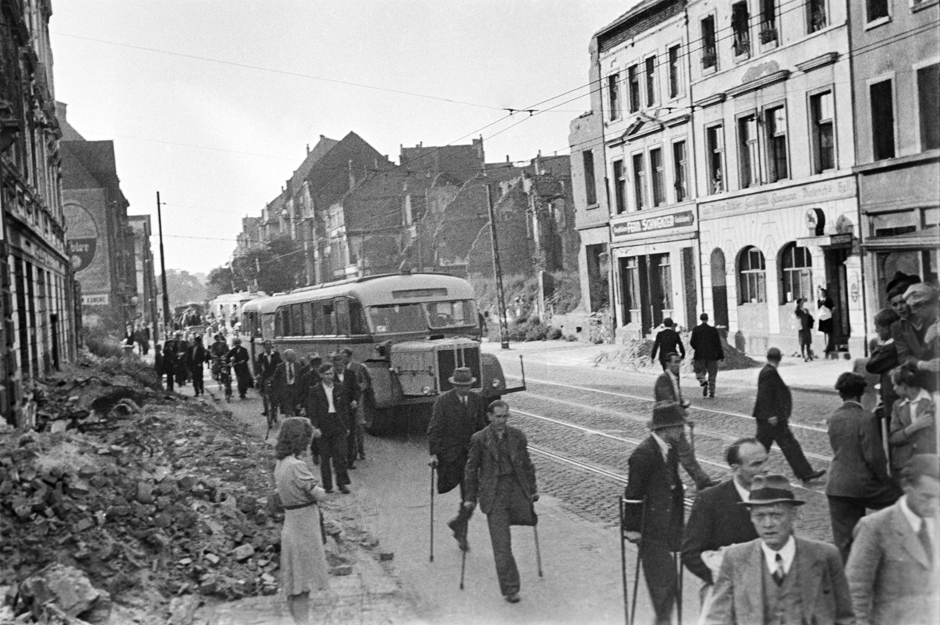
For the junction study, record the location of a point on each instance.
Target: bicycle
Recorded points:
(222, 373)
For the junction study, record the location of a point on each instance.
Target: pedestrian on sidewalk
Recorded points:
(239, 358)
(328, 409)
(158, 363)
(772, 411)
(347, 381)
(500, 474)
(883, 359)
(913, 428)
(706, 341)
(457, 415)
(170, 361)
(653, 477)
(198, 355)
(287, 384)
(805, 333)
(667, 341)
(858, 473)
(824, 308)
(266, 366)
(303, 561)
(357, 433)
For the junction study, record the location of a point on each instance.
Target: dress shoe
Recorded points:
(350, 466)
(329, 491)
(513, 597)
(704, 391)
(344, 490)
(460, 533)
(815, 475)
(362, 456)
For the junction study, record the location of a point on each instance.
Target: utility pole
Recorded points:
(166, 294)
(498, 272)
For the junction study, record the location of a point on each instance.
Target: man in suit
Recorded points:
(772, 412)
(457, 415)
(359, 374)
(894, 567)
(287, 384)
(653, 516)
(500, 474)
(198, 355)
(266, 366)
(779, 578)
(667, 389)
(327, 407)
(884, 358)
(667, 341)
(858, 473)
(239, 358)
(716, 520)
(708, 351)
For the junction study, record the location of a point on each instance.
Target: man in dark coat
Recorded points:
(716, 520)
(360, 373)
(182, 359)
(170, 361)
(287, 384)
(456, 416)
(667, 341)
(239, 358)
(266, 366)
(858, 473)
(772, 412)
(198, 355)
(884, 358)
(653, 515)
(708, 351)
(350, 385)
(328, 409)
(500, 474)
(158, 362)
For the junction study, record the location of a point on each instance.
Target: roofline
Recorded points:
(644, 5)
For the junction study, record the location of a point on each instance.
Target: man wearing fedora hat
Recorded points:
(457, 415)
(779, 578)
(657, 524)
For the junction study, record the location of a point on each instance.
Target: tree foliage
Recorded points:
(273, 267)
(184, 287)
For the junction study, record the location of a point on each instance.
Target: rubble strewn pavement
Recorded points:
(635, 355)
(131, 505)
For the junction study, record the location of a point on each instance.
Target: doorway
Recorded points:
(719, 288)
(837, 289)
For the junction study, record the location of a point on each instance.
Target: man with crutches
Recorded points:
(501, 475)
(656, 525)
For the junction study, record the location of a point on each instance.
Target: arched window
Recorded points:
(796, 273)
(752, 285)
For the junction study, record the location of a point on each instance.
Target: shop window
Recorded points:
(639, 182)
(928, 100)
(631, 290)
(752, 285)
(620, 186)
(748, 156)
(715, 144)
(665, 280)
(816, 15)
(674, 70)
(633, 86)
(882, 119)
(741, 36)
(709, 49)
(657, 174)
(893, 224)
(775, 121)
(590, 188)
(613, 91)
(823, 131)
(796, 273)
(651, 81)
(876, 10)
(680, 167)
(768, 21)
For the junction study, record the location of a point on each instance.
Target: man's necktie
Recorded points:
(290, 374)
(924, 537)
(779, 573)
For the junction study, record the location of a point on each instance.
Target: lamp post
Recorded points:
(166, 294)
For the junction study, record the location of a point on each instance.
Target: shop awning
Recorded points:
(922, 239)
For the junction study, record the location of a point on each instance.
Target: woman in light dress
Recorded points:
(303, 561)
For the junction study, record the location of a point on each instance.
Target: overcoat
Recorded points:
(706, 341)
(482, 471)
(449, 432)
(318, 410)
(717, 520)
(656, 482)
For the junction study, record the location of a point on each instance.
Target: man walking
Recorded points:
(667, 341)
(457, 415)
(779, 578)
(288, 390)
(328, 409)
(500, 474)
(772, 412)
(239, 358)
(198, 355)
(357, 436)
(266, 366)
(347, 380)
(656, 524)
(708, 351)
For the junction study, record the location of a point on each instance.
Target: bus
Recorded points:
(227, 307)
(411, 331)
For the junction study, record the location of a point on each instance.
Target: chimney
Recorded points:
(308, 148)
(507, 158)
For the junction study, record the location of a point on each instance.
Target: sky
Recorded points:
(213, 102)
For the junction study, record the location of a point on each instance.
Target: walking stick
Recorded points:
(639, 554)
(463, 566)
(692, 436)
(678, 563)
(623, 567)
(538, 553)
(432, 516)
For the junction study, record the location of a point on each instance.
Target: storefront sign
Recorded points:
(102, 299)
(650, 224)
(815, 193)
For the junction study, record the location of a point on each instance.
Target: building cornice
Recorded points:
(820, 61)
(894, 163)
(759, 83)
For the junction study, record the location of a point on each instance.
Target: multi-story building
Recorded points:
(895, 58)
(37, 332)
(145, 272)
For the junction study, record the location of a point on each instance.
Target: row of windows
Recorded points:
(649, 178)
(796, 275)
(324, 318)
(641, 85)
(884, 122)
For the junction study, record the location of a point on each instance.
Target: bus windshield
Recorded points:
(452, 314)
(421, 317)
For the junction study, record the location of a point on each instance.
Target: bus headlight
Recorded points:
(426, 390)
(496, 383)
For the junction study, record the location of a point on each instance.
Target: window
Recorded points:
(882, 119)
(747, 151)
(357, 319)
(775, 121)
(633, 84)
(822, 127)
(715, 142)
(768, 21)
(816, 15)
(665, 279)
(674, 71)
(323, 317)
(620, 186)
(709, 51)
(309, 329)
(741, 37)
(656, 171)
(296, 320)
(639, 181)
(877, 9)
(651, 81)
(752, 287)
(613, 92)
(796, 268)
(680, 167)
(590, 188)
(631, 290)
(928, 100)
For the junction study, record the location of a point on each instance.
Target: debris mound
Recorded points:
(634, 355)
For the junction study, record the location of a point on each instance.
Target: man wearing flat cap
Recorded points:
(457, 415)
(653, 514)
(779, 578)
(920, 347)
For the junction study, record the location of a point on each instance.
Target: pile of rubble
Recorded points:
(145, 496)
(635, 355)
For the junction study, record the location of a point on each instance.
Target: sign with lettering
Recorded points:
(650, 224)
(82, 252)
(814, 193)
(99, 299)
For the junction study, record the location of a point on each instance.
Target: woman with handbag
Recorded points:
(805, 332)
(303, 561)
(825, 307)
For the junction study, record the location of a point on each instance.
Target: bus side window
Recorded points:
(308, 319)
(281, 323)
(324, 318)
(357, 319)
(341, 306)
(296, 323)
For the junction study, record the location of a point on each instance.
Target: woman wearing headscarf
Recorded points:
(805, 333)
(303, 561)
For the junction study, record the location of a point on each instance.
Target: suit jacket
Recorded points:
(318, 410)
(859, 467)
(657, 481)
(452, 425)
(739, 591)
(350, 386)
(239, 357)
(667, 340)
(717, 520)
(923, 441)
(287, 395)
(773, 396)
(890, 578)
(482, 472)
(197, 356)
(883, 359)
(266, 364)
(664, 390)
(706, 341)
